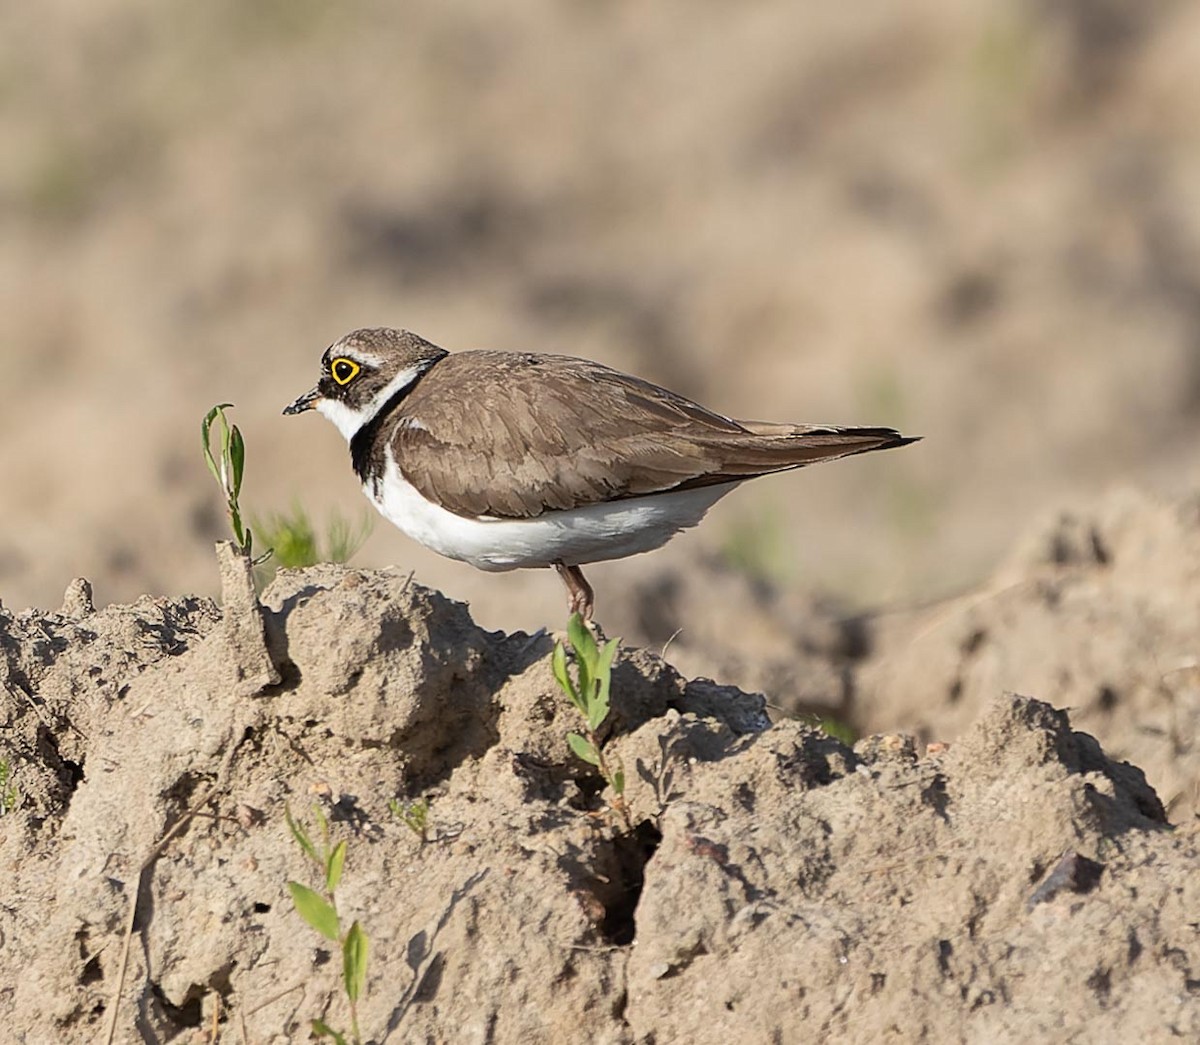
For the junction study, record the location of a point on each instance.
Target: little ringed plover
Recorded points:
(508, 460)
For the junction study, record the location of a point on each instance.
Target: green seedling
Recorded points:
(415, 815)
(228, 474)
(295, 541)
(589, 692)
(837, 728)
(343, 538)
(10, 797)
(318, 907)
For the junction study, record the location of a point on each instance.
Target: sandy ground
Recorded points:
(774, 885)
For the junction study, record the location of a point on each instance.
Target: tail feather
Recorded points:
(771, 447)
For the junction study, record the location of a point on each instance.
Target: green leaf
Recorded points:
(581, 638)
(301, 837)
(618, 781)
(315, 910)
(583, 748)
(322, 1030)
(417, 815)
(224, 437)
(354, 962)
(604, 662)
(585, 657)
(598, 709)
(237, 457)
(597, 712)
(334, 866)
(323, 824)
(206, 438)
(559, 663)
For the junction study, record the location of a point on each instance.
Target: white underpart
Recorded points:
(595, 533)
(348, 420)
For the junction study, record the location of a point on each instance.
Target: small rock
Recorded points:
(1073, 872)
(77, 600)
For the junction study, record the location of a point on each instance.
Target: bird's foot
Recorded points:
(580, 597)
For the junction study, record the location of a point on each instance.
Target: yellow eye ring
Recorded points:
(344, 370)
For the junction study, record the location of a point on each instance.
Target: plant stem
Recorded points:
(618, 801)
(329, 895)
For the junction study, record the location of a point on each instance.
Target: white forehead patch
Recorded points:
(357, 354)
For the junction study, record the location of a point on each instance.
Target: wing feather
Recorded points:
(516, 435)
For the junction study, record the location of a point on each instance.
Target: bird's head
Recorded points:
(364, 372)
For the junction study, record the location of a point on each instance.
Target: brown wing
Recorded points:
(514, 435)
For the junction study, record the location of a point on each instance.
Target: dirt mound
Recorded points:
(800, 650)
(779, 885)
(1097, 612)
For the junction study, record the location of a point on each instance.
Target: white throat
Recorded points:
(348, 419)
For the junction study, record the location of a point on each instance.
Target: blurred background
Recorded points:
(978, 222)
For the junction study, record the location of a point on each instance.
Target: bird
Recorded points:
(513, 460)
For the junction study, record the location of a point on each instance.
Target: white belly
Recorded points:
(576, 537)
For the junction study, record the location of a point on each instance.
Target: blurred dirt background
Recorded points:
(980, 223)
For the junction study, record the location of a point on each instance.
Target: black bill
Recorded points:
(305, 402)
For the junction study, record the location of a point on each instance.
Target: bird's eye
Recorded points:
(344, 370)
